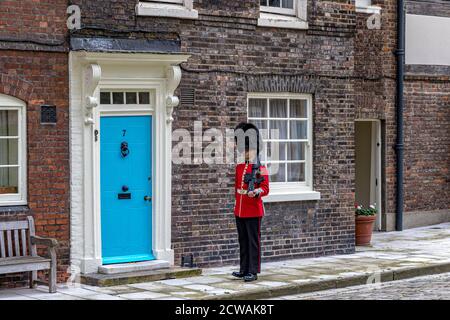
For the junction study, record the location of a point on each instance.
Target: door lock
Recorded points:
(147, 198)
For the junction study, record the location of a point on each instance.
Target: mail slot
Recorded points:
(124, 196)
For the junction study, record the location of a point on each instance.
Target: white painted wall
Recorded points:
(427, 40)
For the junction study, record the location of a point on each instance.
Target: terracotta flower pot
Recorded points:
(363, 230)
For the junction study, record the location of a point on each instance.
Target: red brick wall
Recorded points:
(427, 141)
(427, 127)
(33, 19)
(34, 68)
(42, 78)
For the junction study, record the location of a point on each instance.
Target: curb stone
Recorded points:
(412, 272)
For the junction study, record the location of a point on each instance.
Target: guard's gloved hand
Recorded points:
(255, 193)
(251, 194)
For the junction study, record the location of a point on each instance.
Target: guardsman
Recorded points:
(251, 184)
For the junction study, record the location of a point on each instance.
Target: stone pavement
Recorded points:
(393, 256)
(434, 287)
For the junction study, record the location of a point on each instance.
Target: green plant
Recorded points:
(361, 211)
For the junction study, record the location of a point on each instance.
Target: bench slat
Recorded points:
(8, 237)
(2, 245)
(25, 267)
(24, 242)
(22, 264)
(12, 225)
(22, 260)
(16, 242)
(33, 251)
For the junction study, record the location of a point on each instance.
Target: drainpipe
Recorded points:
(400, 53)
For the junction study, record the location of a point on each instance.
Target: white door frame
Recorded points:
(375, 168)
(375, 189)
(89, 72)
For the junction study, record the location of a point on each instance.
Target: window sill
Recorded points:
(368, 9)
(165, 10)
(12, 203)
(280, 21)
(283, 196)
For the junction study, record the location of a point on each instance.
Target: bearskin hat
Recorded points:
(247, 137)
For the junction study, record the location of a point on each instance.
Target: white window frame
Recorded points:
(168, 1)
(363, 3)
(285, 18)
(365, 6)
(280, 10)
(11, 103)
(182, 9)
(291, 191)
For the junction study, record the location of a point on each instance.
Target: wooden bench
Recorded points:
(18, 251)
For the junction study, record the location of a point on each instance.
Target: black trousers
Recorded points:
(249, 234)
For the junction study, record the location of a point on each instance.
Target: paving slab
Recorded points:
(144, 295)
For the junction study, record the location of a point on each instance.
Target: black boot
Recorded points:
(239, 275)
(250, 277)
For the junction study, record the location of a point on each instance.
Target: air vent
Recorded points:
(187, 97)
(188, 261)
(48, 114)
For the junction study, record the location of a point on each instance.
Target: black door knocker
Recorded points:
(124, 149)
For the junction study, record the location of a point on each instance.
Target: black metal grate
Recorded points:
(48, 114)
(188, 261)
(187, 97)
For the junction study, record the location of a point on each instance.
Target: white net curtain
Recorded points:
(284, 125)
(9, 167)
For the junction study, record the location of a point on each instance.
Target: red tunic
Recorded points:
(246, 207)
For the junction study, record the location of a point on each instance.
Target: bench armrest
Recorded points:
(51, 245)
(49, 242)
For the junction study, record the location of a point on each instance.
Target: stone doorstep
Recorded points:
(115, 279)
(327, 284)
(133, 267)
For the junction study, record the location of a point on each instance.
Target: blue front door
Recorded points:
(125, 183)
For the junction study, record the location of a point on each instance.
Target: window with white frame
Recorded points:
(291, 14)
(365, 6)
(124, 97)
(12, 151)
(285, 122)
(182, 9)
(165, 1)
(363, 3)
(286, 7)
